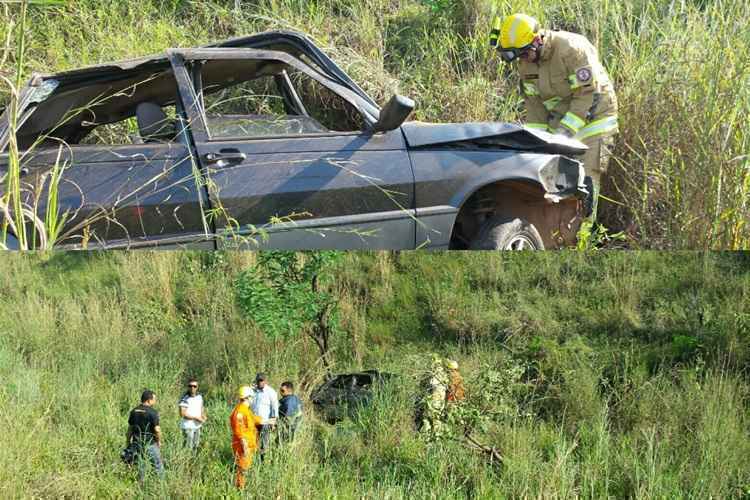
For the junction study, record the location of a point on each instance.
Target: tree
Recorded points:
(288, 293)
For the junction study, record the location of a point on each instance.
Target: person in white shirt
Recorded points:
(266, 406)
(193, 413)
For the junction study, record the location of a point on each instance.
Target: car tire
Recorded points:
(507, 233)
(11, 243)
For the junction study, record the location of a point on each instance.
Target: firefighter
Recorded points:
(456, 391)
(432, 405)
(565, 87)
(244, 424)
(442, 391)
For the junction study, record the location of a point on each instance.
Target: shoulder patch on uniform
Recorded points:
(583, 75)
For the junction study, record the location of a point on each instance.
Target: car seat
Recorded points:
(153, 123)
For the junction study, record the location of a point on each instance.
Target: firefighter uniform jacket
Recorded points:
(568, 87)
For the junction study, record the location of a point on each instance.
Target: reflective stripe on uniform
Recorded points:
(513, 33)
(572, 121)
(494, 36)
(540, 126)
(495, 33)
(598, 127)
(552, 103)
(530, 89)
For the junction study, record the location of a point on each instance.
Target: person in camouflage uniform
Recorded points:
(441, 389)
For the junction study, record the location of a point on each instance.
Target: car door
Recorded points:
(291, 170)
(119, 187)
(120, 196)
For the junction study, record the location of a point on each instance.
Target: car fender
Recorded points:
(447, 178)
(542, 171)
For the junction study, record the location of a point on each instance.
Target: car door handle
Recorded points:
(225, 157)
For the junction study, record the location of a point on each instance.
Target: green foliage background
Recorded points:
(681, 172)
(634, 373)
(283, 294)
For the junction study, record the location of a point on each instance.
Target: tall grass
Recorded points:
(19, 217)
(11, 204)
(614, 406)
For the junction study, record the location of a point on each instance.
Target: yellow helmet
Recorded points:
(244, 392)
(451, 365)
(513, 34)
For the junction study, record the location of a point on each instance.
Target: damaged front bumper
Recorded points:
(565, 178)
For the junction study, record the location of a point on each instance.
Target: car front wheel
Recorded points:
(507, 233)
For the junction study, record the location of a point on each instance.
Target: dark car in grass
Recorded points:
(264, 140)
(345, 394)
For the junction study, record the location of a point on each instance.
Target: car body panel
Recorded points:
(445, 179)
(508, 135)
(118, 192)
(358, 186)
(341, 188)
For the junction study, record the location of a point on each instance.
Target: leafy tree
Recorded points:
(289, 293)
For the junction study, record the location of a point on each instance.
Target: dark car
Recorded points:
(263, 139)
(344, 394)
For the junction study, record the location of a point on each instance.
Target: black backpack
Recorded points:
(129, 454)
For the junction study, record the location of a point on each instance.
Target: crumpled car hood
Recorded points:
(504, 135)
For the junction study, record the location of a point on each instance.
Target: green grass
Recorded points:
(635, 374)
(680, 177)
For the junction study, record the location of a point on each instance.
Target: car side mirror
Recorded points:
(394, 113)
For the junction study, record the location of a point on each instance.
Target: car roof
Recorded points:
(292, 42)
(116, 82)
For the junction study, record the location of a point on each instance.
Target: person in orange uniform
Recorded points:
(456, 391)
(244, 424)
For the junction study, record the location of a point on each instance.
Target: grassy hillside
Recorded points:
(635, 374)
(681, 175)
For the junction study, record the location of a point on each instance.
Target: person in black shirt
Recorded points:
(145, 432)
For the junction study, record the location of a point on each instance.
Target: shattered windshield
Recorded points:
(43, 91)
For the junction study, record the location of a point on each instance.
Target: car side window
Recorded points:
(125, 108)
(343, 382)
(363, 381)
(118, 133)
(152, 124)
(249, 99)
(328, 108)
